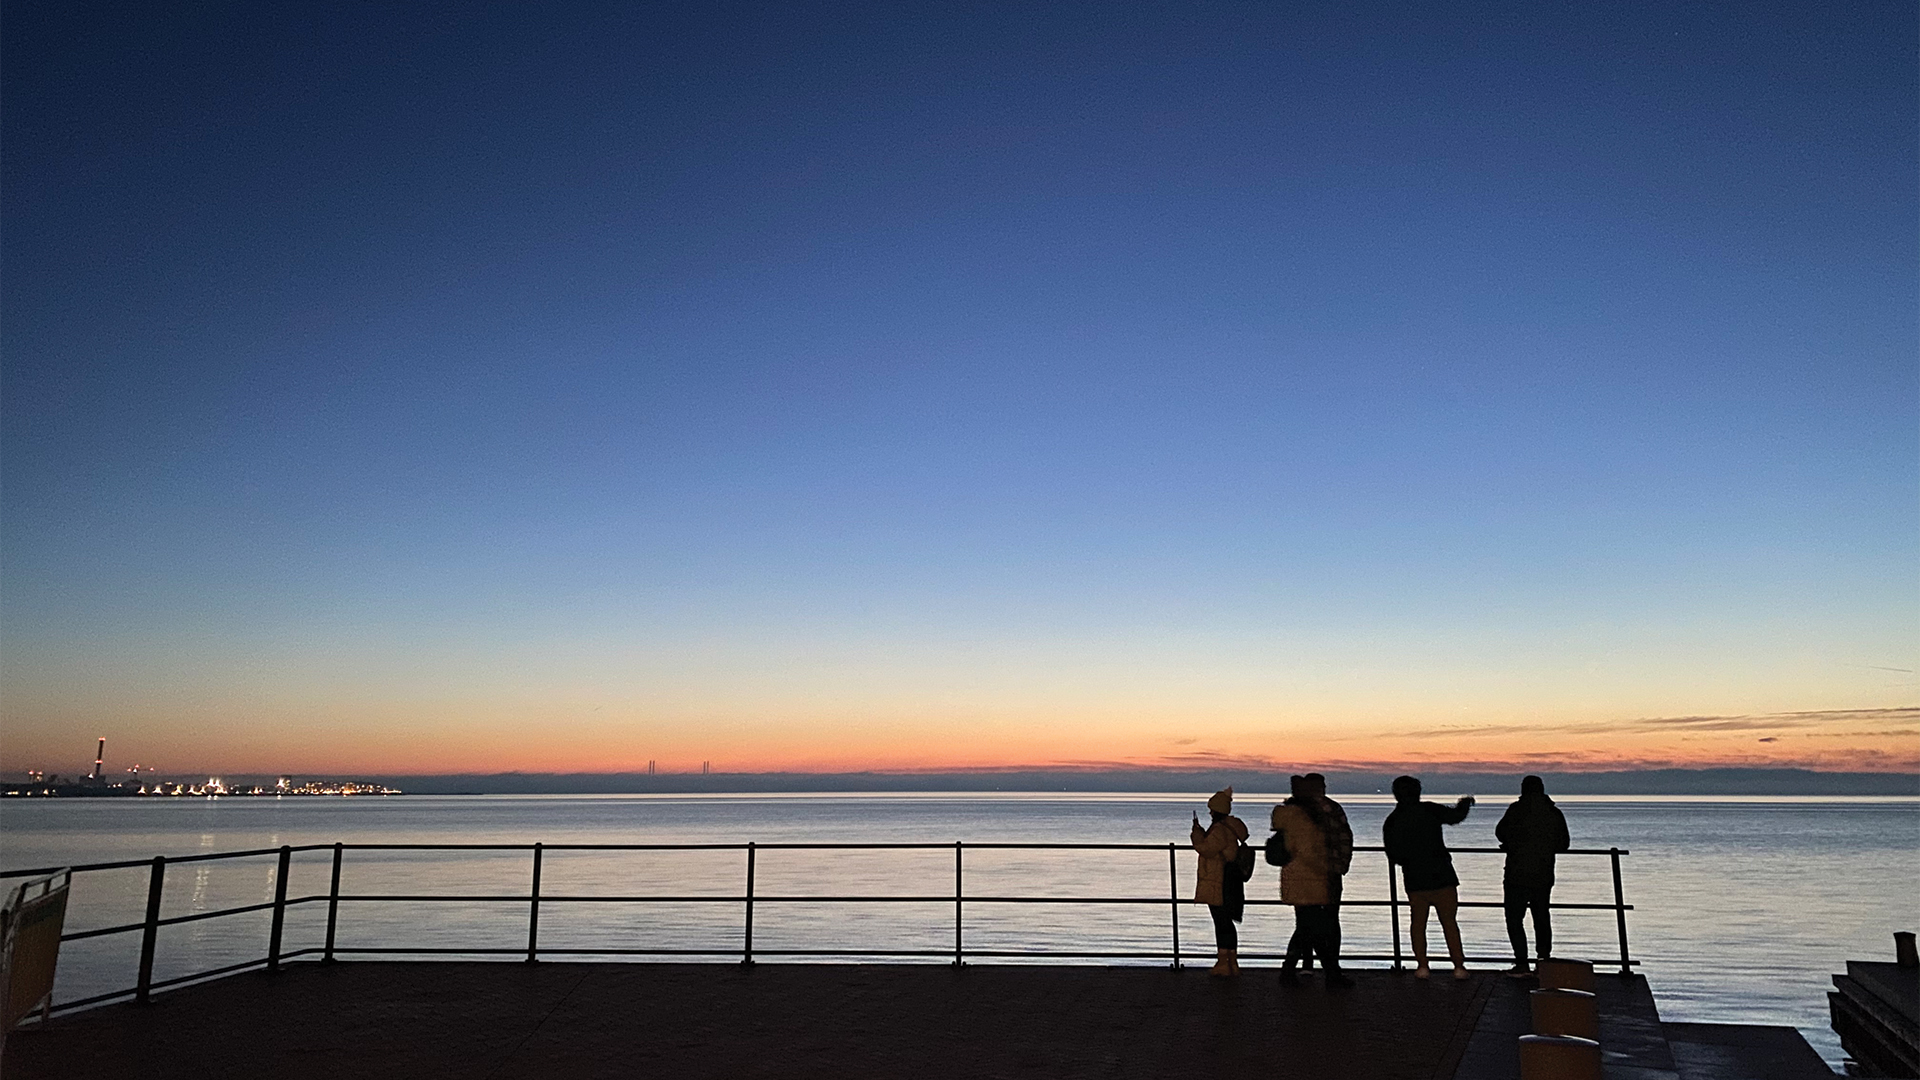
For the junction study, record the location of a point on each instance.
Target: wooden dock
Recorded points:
(370, 1020)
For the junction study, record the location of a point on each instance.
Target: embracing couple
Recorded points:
(1313, 846)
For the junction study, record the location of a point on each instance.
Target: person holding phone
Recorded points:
(1219, 886)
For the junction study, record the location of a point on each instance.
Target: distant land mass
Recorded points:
(1625, 782)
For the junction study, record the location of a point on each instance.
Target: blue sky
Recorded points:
(859, 384)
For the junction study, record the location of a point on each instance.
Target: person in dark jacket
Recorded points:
(1532, 832)
(1413, 839)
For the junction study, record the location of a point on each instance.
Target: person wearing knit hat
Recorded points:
(1220, 885)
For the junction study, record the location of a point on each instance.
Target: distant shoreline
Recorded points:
(1624, 782)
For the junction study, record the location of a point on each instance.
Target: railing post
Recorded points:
(957, 847)
(1173, 901)
(279, 908)
(1393, 911)
(150, 933)
(333, 903)
(1620, 912)
(533, 909)
(747, 956)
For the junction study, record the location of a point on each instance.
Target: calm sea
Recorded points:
(1744, 907)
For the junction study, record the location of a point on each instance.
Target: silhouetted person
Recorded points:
(1319, 842)
(1413, 839)
(1531, 832)
(1220, 886)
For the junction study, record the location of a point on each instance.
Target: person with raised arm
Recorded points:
(1413, 839)
(1313, 832)
(1220, 885)
(1531, 832)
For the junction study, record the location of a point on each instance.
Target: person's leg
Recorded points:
(1327, 942)
(1446, 904)
(1299, 946)
(1417, 903)
(1540, 901)
(1225, 939)
(1514, 898)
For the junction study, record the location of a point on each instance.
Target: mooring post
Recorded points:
(333, 903)
(957, 846)
(747, 956)
(150, 933)
(279, 908)
(1393, 911)
(533, 909)
(1620, 912)
(1173, 900)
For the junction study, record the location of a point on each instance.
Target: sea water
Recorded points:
(1743, 907)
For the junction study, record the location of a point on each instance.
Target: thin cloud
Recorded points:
(1762, 722)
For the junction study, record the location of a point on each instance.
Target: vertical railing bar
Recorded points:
(1620, 912)
(1173, 901)
(150, 934)
(333, 902)
(533, 909)
(747, 956)
(1393, 911)
(279, 908)
(957, 954)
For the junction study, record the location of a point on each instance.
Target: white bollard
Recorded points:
(1565, 1012)
(1558, 1057)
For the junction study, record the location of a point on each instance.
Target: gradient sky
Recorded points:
(562, 387)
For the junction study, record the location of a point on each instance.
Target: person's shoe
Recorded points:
(1422, 972)
(1337, 979)
(1287, 977)
(1219, 970)
(1233, 962)
(1460, 973)
(1519, 971)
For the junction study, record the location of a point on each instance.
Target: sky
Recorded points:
(914, 386)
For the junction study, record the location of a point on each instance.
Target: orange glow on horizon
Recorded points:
(1870, 740)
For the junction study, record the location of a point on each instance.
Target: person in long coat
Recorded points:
(1531, 832)
(1319, 841)
(1413, 839)
(1219, 886)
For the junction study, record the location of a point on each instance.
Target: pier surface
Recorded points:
(368, 1020)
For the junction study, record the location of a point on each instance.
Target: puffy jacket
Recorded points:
(1532, 832)
(1320, 855)
(1217, 844)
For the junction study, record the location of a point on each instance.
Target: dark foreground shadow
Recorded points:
(367, 1020)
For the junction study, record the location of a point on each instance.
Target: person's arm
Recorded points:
(1455, 814)
(1561, 839)
(1502, 832)
(1199, 837)
(1215, 842)
(1339, 841)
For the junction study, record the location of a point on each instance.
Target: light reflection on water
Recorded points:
(1744, 907)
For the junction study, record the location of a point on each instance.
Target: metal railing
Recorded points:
(149, 928)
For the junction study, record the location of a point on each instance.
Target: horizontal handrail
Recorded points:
(989, 845)
(128, 864)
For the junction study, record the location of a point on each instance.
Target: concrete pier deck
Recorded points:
(370, 1020)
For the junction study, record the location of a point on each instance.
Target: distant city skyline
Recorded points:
(867, 386)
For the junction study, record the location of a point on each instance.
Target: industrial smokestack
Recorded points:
(99, 758)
